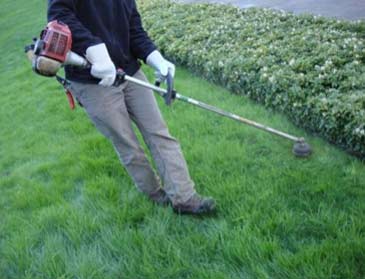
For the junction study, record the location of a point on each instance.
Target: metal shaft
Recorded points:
(80, 61)
(194, 102)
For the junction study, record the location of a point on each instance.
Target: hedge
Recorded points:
(308, 67)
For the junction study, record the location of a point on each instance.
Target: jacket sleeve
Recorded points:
(140, 44)
(66, 11)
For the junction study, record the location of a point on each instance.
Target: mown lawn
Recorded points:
(69, 210)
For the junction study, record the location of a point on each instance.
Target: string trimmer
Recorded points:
(53, 50)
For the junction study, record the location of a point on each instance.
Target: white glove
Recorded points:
(101, 65)
(160, 64)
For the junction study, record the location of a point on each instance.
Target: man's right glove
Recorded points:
(101, 65)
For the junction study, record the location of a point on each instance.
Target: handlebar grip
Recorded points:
(170, 94)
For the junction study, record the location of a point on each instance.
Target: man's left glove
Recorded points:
(101, 65)
(160, 64)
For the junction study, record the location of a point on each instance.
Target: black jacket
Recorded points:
(116, 23)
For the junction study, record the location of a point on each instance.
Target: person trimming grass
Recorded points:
(110, 35)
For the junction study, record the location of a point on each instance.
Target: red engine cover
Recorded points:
(57, 40)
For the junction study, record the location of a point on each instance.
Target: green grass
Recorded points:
(69, 210)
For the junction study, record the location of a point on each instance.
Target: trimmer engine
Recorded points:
(53, 50)
(55, 41)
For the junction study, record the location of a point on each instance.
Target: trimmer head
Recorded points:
(302, 149)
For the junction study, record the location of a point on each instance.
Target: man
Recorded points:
(110, 35)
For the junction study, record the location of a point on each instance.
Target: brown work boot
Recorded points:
(160, 197)
(196, 205)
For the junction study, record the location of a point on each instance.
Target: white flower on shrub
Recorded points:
(359, 131)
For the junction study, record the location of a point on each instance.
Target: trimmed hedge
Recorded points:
(309, 67)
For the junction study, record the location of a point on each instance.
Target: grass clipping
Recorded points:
(308, 67)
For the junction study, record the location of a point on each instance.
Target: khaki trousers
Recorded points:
(112, 109)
